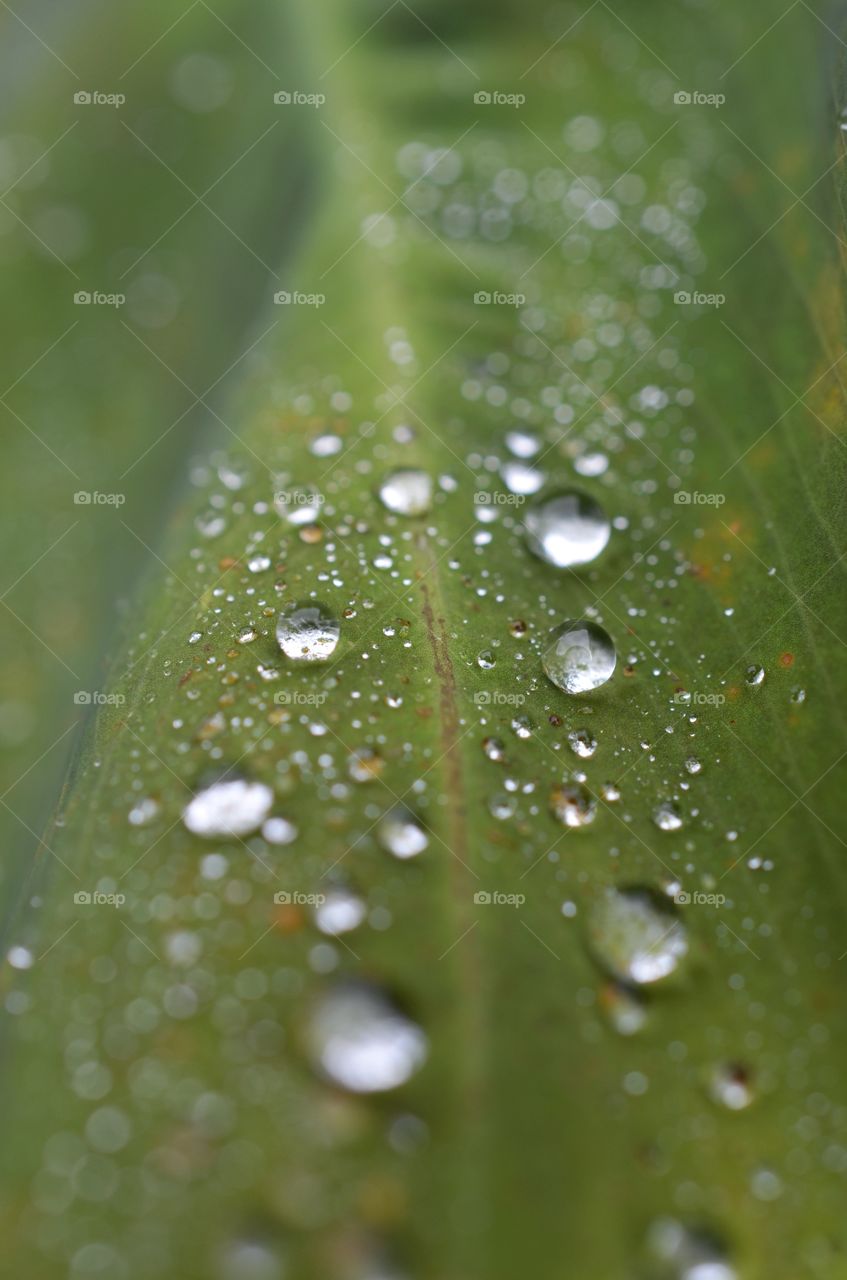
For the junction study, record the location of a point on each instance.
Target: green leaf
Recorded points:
(162, 1067)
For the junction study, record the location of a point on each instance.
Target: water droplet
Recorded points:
(258, 564)
(522, 726)
(279, 831)
(250, 1260)
(340, 912)
(361, 1040)
(487, 659)
(494, 750)
(521, 479)
(624, 1008)
(573, 805)
(582, 743)
(144, 811)
(521, 444)
(400, 833)
(501, 806)
(365, 765)
(567, 529)
(667, 817)
(580, 657)
(693, 765)
(407, 492)
(755, 675)
(730, 1085)
(298, 506)
(636, 935)
(591, 464)
(689, 1253)
(307, 632)
(230, 807)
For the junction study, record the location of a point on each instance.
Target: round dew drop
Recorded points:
(231, 807)
(636, 935)
(567, 529)
(307, 632)
(360, 1040)
(407, 492)
(580, 657)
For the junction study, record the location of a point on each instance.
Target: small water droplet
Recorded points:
(522, 726)
(624, 1008)
(307, 632)
(755, 675)
(579, 657)
(365, 765)
(400, 833)
(520, 478)
(494, 750)
(362, 1041)
(667, 817)
(487, 659)
(258, 564)
(636, 935)
(407, 492)
(591, 464)
(230, 807)
(693, 765)
(689, 1253)
(501, 806)
(573, 805)
(582, 743)
(521, 444)
(340, 912)
(567, 529)
(731, 1087)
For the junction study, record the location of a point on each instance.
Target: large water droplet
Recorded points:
(407, 492)
(230, 807)
(636, 935)
(307, 632)
(567, 529)
(400, 833)
(580, 657)
(689, 1253)
(362, 1041)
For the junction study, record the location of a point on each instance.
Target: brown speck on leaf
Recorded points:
(312, 533)
(288, 919)
(555, 720)
(786, 660)
(228, 562)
